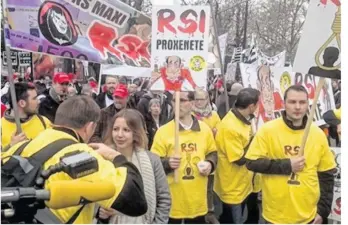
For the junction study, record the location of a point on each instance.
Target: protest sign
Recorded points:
(180, 36)
(102, 31)
(320, 44)
(276, 61)
(24, 58)
(272, 83)
(336, 204)
(14, 58)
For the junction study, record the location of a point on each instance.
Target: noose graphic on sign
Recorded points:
(336, 33)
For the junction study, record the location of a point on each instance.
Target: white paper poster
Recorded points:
(336, 203)
(179, 51)
(320, 45)
(272, 83)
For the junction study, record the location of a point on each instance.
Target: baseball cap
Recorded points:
(61, 78)
(121, 91)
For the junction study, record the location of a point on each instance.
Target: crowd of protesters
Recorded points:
(223, 163)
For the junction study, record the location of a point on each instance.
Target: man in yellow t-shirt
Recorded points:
(76, 119)
(197, 149)
(307, 197)
(233, 181)
(32, 124)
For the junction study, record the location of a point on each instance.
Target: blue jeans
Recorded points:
(234, 214)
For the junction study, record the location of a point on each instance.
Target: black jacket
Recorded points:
(166, 107)
(222, 107)
(100, 100)
(48, 107)
(151, 128)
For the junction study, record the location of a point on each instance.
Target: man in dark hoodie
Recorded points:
(54, 96)
(31, 123)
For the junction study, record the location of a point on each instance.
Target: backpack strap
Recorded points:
(76, 214)
(42, 121)
(46, 216)
(51, 149)
(44, 155)
(21, 148)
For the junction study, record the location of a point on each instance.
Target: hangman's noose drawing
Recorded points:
(336, 33)
(330, 57)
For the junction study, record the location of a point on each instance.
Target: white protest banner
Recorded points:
(276, 61)
(321, 34)
(179, 47)
(336, 203)
(272, 83)
(223, 44)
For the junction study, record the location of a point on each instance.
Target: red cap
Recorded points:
(121, 91)
(61, 78)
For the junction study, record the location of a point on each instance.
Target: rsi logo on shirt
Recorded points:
(188, 147)
(291, 150)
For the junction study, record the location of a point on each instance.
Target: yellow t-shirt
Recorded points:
(212, 121)
(30, 128)
(189, 195)
(106, 172)
(232, 183)
(282, 202)
(337, 113)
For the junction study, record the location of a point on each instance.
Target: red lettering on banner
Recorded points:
(189, 26)
(336, 2)
(131, 46)
(308, 82)
(134, 48)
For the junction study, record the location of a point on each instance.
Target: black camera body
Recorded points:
(20, 204)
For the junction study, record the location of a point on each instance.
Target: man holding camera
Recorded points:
(76, 120)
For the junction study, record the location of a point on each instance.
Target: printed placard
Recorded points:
(179, 48)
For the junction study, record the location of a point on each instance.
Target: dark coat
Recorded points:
(48, 106)
(100, 100)
(103, 125)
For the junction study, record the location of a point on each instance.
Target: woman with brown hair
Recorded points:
(127, 135)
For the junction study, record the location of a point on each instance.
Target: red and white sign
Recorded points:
(179, 48)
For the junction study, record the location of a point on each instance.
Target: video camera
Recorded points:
(20, 204)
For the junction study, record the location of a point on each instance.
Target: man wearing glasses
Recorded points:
(196, 161)
(55, 95)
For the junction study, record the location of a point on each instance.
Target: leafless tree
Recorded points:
(276, 23)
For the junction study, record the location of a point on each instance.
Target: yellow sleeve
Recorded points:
(337, 113)
(258, 147)
(216, 119)
(327, 160)
(233, 145)
(159, 144)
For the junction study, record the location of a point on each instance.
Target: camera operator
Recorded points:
(76, 119)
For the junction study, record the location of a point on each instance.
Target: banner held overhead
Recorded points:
(102, 31)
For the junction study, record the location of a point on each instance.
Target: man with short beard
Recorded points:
(120, 99)
(54, 96)
(32, 124)
(105, 99)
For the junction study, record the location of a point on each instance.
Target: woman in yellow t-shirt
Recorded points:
(203, 111)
